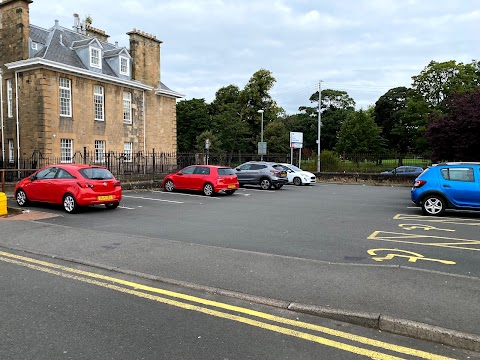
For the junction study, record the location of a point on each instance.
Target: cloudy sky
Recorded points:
(364, 47)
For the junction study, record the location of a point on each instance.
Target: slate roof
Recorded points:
(58, 47)
(38, 34)
(57, 42)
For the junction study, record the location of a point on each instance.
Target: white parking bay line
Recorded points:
(124, 207)
(184, 194)
(145, 198)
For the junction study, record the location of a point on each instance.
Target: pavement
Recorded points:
(358, 294)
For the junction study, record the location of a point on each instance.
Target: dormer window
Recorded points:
(95, 58)
(124, 66)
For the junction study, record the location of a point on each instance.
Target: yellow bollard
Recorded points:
(3, 204)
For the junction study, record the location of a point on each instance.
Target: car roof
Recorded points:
(76, 166)
(211, 166)
(460, 163)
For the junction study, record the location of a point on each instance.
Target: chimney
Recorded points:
(94, 32)
(145, 51)
(15, 28)
(76, 23)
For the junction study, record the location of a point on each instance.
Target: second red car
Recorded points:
(209, 179)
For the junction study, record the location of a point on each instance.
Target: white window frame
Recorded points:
(100, 146)
(127, 107)
(95, 57)
(65, 94)
(98, 103)
(34, 45)
(124, 68)
(127, 151)
(66, 151)
(9, 99)
(11, 151)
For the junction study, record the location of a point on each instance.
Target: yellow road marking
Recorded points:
(421, 227)
(437, 219)
(449, 242)
(411, 256)
(48, 268)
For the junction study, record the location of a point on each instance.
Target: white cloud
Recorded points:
(363, 46)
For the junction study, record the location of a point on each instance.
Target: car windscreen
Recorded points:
(225, 171)
(278, 167)
(294, 168)
(96, 174)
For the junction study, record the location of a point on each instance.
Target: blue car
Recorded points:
(448, 186)
(404, 170)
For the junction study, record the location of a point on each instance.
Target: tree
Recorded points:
(192, 120)
(438, 81)
(255, 96)
(277, 137)
(359, 134)
(231, 130)
(387, 116)
(215, 143)
(456, 136)
(335, 107)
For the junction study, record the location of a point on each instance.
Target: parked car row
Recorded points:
(436, 189)
(211, 179)
(78, 185)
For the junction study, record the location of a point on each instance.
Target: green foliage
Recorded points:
(192, 119)
(456, 136)
(335, 107)
(359, 134)
(215, 143)
(438, 81)
(329, 161)
(277, 137)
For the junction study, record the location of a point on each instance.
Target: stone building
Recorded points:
(66, 91)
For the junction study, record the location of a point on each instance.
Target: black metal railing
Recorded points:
(151, 165)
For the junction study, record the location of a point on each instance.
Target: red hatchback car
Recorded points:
(72, 185)
(209, 179)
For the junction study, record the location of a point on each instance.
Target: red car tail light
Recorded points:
(419, 183)
(118, 184)
(85, 185)
(275, 172)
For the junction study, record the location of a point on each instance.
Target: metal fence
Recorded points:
(152, 165)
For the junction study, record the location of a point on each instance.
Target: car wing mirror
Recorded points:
(33, 177)
(238, 169)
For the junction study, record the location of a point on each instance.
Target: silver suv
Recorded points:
(265, 174)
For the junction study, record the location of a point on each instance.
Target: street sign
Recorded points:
(296, 140)
(262, 148)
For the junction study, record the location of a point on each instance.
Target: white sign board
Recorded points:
(262, 148)
(296, 140)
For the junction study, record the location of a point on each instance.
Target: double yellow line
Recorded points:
(197, 304)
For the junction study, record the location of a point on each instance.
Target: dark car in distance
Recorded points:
(404, 170)
(263, 173)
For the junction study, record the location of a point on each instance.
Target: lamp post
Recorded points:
(261, 135)
(319, 122)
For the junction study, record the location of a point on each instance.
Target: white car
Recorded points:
(297, 176)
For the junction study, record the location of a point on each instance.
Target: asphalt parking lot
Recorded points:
(326, 222)
(352, 247)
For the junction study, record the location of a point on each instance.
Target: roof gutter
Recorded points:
(35, 63)
(169, 93)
